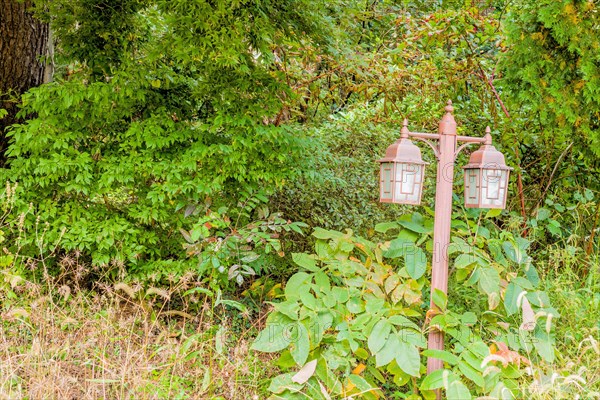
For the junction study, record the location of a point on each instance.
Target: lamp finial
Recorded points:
(404, 131)
(488, 136)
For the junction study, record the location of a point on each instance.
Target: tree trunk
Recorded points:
(25, 51)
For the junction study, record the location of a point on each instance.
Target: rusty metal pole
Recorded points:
(443, 218)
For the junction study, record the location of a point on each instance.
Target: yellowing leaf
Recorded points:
(359, 369)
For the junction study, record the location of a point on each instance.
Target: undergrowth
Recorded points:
(124, 341)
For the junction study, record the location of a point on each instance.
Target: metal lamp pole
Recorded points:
(486, 182)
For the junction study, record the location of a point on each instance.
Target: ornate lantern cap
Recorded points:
(403, 150)
(487, 156)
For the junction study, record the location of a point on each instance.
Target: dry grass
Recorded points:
(576, 295)
(59, 343)
(125, 341)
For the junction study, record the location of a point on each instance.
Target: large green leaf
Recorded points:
(297, 283)
(442, 355)
(415, 227)
(383, 227)
(489, 280)
(271, 339)
(321, 233)
(416, 262)
(399, 247)
(544, 344)
(367, 390)
(305, 261)
(512, 293)
(288, 308)
(388, 352)
(471, 373)
(516, 251)
(408, 358)
(379, 335)
(464, 260)
(440, 299)
(436, 379)
(284, 382)
(456, 390)
(400, 320)
(300, 342)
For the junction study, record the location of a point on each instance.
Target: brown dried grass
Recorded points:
(58, 342)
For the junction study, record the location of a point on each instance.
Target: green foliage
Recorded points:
(229, 251)
(551, 77)
(353, 318)
(151, 119)
(341, 187)
(566, 222)
(99, 34)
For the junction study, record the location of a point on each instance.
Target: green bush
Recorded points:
(342, 186)
(156, 109)
(353, 320)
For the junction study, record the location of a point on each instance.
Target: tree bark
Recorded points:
(25, 55)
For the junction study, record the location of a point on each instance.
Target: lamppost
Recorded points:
(401, 181)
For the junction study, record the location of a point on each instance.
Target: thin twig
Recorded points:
(543, 195)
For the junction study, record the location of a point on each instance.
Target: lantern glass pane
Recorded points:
(386, 181)
(472, 187)
(494, 188)
(408, 183)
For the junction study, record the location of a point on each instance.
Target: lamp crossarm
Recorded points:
(436, 136)
(424, 135)
(471, 139)
(468, 140)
